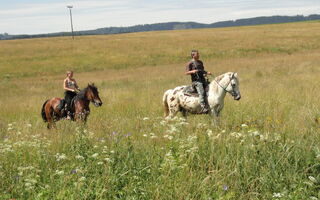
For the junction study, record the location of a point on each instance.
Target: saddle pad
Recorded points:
(190, 91)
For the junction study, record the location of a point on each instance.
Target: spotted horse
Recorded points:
(177, 100)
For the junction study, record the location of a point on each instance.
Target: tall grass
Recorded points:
(267, 145)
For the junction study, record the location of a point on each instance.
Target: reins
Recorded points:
(225, 88)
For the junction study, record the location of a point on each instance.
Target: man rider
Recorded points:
(195, 68)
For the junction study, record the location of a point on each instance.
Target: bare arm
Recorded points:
(191, 72)
(188, 71)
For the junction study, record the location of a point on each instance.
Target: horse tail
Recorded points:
(43, 112)
(165, 103)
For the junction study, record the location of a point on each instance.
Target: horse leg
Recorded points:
(184, 112)
(80, 117)
(215, 111)
(49, 114)
(173, 110)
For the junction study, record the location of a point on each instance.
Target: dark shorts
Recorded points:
(68, 96)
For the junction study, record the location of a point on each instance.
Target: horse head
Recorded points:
(230, 83)
(93, 95)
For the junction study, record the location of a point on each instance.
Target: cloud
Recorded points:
(49, 16)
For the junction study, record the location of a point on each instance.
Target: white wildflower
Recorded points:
(184, 123)
(145, 118)
(91, 134)
(235, 134)
(153, 136)
(145, 135)
(209, 132)
(61, 157)
(217, 136)
(244, 125)
(59, 172)
(163, 122)
(169, 137)
(29, 125)
(256, 133)
(82, 178)
(78, 157)
(94, 155)
(107, 159)
(100, 163)
(172, 129)
(312, 179)
(277, 195)
(28, 184)
(201, 125)
(111, 151)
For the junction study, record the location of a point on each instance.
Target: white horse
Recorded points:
(175, 100)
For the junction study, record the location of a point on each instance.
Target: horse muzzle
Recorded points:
(97, 103)
(237, 97)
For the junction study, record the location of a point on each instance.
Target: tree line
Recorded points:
(172, 26)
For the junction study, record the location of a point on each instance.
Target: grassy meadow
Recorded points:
(267, 145)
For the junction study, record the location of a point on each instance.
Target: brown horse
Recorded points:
(51, 113)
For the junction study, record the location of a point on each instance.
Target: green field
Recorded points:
(267, 145)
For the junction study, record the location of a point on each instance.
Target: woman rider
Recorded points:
(70, 86)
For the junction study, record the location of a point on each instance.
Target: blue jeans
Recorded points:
(200, 89)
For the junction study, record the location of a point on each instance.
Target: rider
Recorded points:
(195, 68)
(70, 86)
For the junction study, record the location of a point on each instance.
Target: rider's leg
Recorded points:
(68, 98)
(200, 90)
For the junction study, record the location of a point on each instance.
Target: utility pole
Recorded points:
(71, 20)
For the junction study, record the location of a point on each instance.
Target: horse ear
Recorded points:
(235, 74)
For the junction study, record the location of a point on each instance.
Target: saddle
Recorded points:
(63, 107)
(192, 91)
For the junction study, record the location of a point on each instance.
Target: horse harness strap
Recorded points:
(225, 88)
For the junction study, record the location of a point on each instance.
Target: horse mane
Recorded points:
(220, 77)
(82, 94)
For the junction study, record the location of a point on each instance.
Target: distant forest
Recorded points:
(172, 26)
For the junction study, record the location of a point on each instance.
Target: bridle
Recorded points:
(232, 92)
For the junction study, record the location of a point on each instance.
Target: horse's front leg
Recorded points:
(81, 117)
(215, 113)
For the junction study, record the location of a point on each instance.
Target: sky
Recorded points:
(48, 16)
